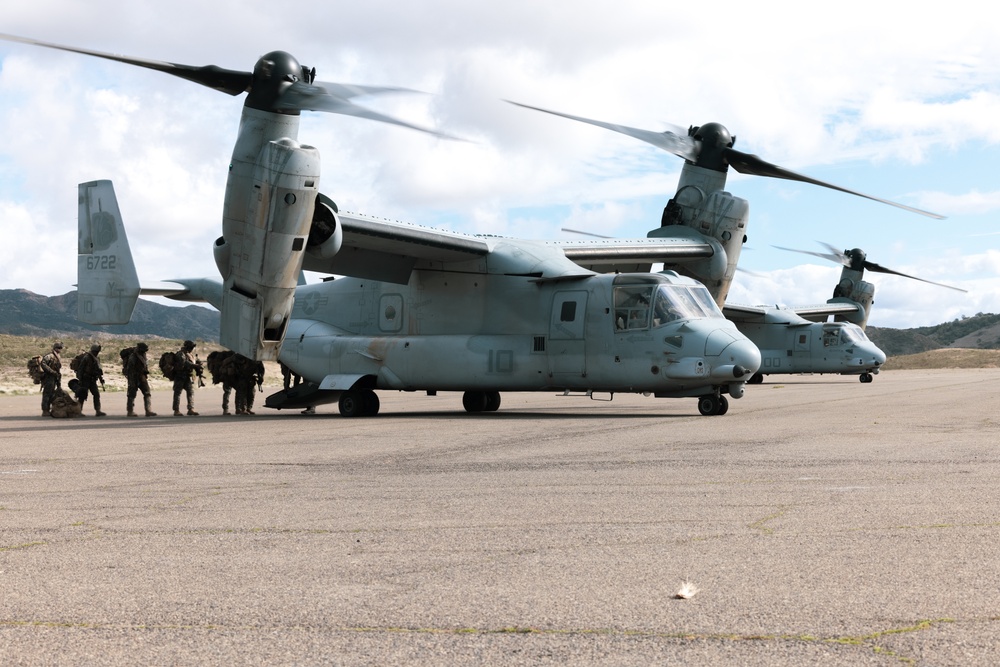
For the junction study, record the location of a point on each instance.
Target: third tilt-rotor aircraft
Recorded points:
(800, 340)
(791, 340)
(429, 310)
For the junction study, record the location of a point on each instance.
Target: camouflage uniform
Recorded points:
(218, 363)
(249, 373)
(136, 372)
(185, 364)
(89, 374)
(51, 377)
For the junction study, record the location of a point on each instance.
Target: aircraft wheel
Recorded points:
(371, 403)
(475, 401)
(709, 404)
(756, 378)
(352, 404)
(723, 406)
(866, 377)
(492, 401)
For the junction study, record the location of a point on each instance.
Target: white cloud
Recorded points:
(902, 104)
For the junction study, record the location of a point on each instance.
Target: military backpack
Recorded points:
(75, 362)
(167, 366)
(125, 353)
(35, 371)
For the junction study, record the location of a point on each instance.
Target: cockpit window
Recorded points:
(632, 307)
(683, 302)
(639, 307)
(853, 334)
(842, 334)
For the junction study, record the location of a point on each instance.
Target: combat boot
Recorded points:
(147, 404)
(178, 413)
(150, 413)
(100, 414)
(192, 413)
(131, 413)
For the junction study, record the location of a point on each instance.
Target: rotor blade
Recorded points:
(301, 96)
(677, 142)
(232, 82)
(747, 163)
(349, 90)
(872, 266)
(577, 231)
(838, 258)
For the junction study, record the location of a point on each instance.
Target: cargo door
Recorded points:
(567, 348)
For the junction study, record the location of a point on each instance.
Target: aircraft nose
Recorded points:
(745, 355)
(738, 360)
(878, 355)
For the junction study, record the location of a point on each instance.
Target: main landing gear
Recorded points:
(359, 403)
(866, 377)
(481, 401)
(713, 404)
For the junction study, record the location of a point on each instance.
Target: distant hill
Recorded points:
(981, 331)
(24, 313)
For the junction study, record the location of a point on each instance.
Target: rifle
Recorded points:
(199, 371)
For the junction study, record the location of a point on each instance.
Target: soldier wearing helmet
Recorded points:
(137, 372)
(51, 376)
(89, 373)
(186, 365)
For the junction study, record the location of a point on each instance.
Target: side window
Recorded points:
(568, 312)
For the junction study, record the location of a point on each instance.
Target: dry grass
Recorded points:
(946, 358)
(16, 350)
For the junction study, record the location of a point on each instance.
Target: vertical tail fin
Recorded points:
(107, 284)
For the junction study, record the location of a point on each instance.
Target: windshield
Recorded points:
(670, 303)
(853, 334)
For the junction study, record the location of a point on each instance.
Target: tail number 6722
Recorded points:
(107, 262)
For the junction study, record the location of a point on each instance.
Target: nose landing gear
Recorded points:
(713, 404)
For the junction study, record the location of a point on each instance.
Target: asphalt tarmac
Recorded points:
(823, 521)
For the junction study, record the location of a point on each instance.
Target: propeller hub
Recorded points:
(272, 75)
(715, 139)
(857, 257)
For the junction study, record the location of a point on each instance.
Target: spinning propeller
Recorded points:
(856, 260)
(278, 83)
(711, 147)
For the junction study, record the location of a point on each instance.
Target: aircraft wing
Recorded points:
(743, 314)
(378, 249)
(820, 312)
(789, 315)
(633, 255)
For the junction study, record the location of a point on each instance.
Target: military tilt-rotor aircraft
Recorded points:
(419, 309)
(800, 340)
(424, 309)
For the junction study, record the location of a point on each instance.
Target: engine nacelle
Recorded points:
(718, 217)
(261, 256)
(325, 234)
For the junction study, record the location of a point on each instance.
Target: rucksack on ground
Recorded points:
(167, 365)
(35, 371)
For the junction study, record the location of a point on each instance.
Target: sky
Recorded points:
(898, 100)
